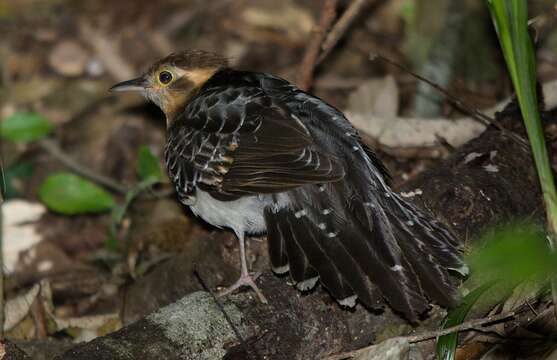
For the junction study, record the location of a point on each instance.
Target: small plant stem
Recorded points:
(510, 18)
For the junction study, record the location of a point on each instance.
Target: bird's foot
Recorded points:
(245, 280)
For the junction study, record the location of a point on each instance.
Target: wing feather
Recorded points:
(238, 142)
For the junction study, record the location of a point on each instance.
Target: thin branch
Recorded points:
(340, 28)
(59, 154)
(471, 325)
(474, 324)
(328, 15)
(225, 314)
(55, 151)
(473, 112)
(478, 115)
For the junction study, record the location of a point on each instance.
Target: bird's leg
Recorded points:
(245, 278)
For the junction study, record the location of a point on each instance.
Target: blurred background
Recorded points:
(93, 237)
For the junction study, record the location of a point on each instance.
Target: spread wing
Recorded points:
(236, 141)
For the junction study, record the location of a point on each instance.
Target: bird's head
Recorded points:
(171, 81)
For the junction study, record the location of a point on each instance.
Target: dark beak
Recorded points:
(137, 84)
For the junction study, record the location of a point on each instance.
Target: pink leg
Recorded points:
(245, 278)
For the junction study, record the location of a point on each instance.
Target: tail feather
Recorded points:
(430, 248)
(369, 245)
(321, 208)
(312, 247)
(373, 256)
(300, 268)
(277, 246)
(434, 278)
(388, 267)
(437, 237)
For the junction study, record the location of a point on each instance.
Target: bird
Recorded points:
(251, 152)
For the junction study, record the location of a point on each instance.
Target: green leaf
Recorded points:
(147, 164)
(446, 345)
(507, 257)
(70, 194)
(512, 254)
(25, 127)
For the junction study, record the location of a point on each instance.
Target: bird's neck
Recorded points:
(175, 104)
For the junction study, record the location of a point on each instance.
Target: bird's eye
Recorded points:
(165, 77)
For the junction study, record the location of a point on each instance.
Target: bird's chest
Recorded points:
(241, 215)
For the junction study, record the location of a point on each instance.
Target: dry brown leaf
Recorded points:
(19, 231)
(17, 308)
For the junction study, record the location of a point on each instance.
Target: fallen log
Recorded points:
(489, 180)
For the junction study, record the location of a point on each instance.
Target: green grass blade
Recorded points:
(510, 18)
(446, 345)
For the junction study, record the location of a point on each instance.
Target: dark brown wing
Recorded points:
(235, 141)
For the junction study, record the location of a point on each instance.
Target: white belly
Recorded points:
(243, 215)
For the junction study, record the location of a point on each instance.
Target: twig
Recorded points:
(471, 325)
(225, 314)
(311, 55)
(54, 150)
(473, 112)
(38, 314)
(341, 27)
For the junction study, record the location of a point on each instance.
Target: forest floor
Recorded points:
(74, 278)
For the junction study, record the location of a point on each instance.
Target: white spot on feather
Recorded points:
(410, 194)
(397, 268)
(281, 269)
(464, 270)
(307, 284)
(349, 301)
